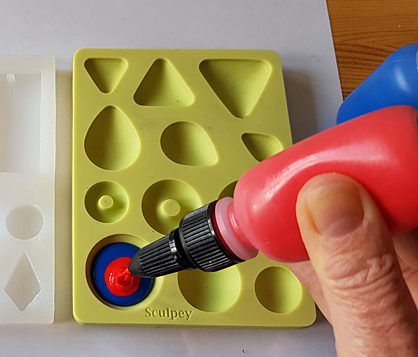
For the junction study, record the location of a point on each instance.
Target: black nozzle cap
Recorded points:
(195, 244)
(157, 258)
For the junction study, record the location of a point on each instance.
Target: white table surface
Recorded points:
(297, 29)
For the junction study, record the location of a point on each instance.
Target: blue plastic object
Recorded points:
(394, 82)
(102, 260)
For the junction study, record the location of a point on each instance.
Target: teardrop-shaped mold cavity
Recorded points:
(166, 202)
(112, 142)
(238, 83)
(163, 86)
(188, 144)
(261, 146)
(106, 72)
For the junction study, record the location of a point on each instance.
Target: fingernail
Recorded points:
(335, 208)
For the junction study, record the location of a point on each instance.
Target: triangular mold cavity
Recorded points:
(163, 86)
(106, 72)
(239, 84)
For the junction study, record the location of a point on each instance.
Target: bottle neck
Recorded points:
(229, 230)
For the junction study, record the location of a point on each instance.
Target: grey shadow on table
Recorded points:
(63, 290)
(301, 104)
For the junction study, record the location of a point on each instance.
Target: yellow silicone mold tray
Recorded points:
(158, 133)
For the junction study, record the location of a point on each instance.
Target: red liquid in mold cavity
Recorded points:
(119, 280)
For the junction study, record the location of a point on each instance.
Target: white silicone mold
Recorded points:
(27, 169)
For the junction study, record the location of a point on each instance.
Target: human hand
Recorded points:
(365, 282)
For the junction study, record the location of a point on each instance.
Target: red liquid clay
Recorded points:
(379, 150)
(119, 280)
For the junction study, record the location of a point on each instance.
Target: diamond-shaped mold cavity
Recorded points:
(238, 83)
(163, 86)
(188, 144)
(166, 202)
(112, 142)
(23, 285)
(106, 72)
(261, 146)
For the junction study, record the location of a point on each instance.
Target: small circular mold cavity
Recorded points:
(106, 202)
(228, 191)
(170, 207)
(211, 292)
(278, 290)
(166, 202)
(112, 281)
(24, 222)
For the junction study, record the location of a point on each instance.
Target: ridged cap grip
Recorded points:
(194, 244)
(157, 259)
(202, 245)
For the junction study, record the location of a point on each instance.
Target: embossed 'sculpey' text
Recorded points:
(168, 313)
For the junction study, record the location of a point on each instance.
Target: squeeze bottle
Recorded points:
(379, 150)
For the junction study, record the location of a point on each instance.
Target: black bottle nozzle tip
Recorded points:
(135, 267)
(156, 259)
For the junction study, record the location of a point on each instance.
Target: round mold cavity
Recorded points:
(278, 290)
(107, 281)
(24, 222)
(166, 202)
(111, 141)
(170, 207)
(106, 202)
(211, 292)
(188, 144)
(228, 191)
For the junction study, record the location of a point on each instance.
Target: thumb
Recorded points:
(351, 250)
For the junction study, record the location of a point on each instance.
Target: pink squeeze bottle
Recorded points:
(379, 150)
